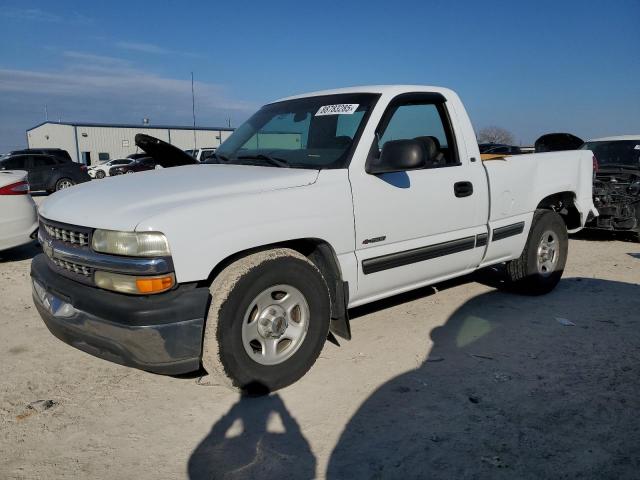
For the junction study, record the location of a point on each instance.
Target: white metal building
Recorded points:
(90, 143)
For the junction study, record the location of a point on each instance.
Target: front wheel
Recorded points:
(100, 174)
(64, 183)
(540, 267)
(268, 320)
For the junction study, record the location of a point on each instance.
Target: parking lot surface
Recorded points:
(457, 381)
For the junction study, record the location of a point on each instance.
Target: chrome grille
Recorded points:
(73, 237)
(72, 267)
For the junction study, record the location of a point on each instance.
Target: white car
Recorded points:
(201, 154)
(18, 212)
(247, 263)
(102, 170)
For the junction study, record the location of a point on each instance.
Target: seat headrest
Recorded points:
(430, 146)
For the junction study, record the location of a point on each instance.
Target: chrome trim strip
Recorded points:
(110, 263)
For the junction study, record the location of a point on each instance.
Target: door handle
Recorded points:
(463, 189)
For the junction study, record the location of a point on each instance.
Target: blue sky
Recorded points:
(530, 67)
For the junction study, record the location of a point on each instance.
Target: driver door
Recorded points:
(414, 227)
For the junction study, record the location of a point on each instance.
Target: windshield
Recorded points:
(312, 132)
(619, 152)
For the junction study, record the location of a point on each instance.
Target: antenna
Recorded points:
(193, 111)
(46, 113)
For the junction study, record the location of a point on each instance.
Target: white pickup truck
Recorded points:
(245, 265)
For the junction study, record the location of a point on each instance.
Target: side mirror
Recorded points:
(399, 156)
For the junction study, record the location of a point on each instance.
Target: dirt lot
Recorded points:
(459, 382)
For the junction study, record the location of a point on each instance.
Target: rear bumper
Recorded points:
(158, 333)
(19, 229)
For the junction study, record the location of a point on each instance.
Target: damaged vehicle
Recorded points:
(616, 186)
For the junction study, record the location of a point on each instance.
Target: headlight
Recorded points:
(132, 244)
(133, 284)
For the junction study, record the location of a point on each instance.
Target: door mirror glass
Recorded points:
(399, 156)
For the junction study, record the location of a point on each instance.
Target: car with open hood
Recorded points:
(157, 154)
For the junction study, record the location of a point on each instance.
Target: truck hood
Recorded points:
(122, 202)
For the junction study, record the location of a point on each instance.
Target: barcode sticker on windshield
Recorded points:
(339, 109)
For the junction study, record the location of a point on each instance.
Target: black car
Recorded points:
(47, 172)
(136, 156)
(56, 152)
(138, 165)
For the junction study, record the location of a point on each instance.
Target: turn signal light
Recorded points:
(132, 284)
(154, 285)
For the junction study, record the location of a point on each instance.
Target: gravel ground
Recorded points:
(458, 381)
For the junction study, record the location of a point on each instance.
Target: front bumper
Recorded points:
(158, 333)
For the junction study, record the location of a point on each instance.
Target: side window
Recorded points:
(15, 163)
(42, 161)
(418, 121)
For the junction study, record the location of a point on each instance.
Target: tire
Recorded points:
(237, 292)
(537, 271)
(63, 183)
(130, 171)
(100, 174)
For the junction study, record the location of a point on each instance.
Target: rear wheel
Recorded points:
(100, 174)
(64, 183)
(268, 320)
(540, 267)
(130, 171)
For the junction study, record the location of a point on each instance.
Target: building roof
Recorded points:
(131, 125)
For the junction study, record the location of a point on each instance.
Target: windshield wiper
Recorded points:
(278, 162)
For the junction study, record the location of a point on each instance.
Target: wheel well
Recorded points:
(563, 203)
(324, 257)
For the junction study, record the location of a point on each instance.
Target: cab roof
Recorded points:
(391, 90)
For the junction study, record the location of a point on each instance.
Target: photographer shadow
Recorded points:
(244, 445)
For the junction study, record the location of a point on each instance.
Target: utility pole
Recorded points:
(193, 111)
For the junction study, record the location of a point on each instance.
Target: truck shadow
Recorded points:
(243, 444)
(511, 389)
